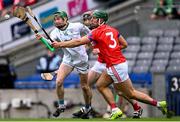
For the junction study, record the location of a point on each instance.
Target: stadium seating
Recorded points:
(177, 40)
(174, 62)
(165, 40)
(140, 69)
(130, 55)
(176, 48)
(159, 51)
(155, 32)
(157, 68)
(174, 68)
(149, 40)
(133, 40)
(172, 32)
(133, 48)
(148, 48)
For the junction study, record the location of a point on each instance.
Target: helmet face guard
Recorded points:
(87, 15)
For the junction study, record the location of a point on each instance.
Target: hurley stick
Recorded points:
(20, 12)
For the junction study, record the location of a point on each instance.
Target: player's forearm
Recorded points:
(67, 44)
(70, 44)
(123, 43)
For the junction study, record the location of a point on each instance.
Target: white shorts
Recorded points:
(82, 67)
(119, 72)
(99, 67)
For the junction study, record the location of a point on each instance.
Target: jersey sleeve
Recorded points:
(119, 35)
(91, 36)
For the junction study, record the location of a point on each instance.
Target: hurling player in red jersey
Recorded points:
(108, 39)
(100, 66)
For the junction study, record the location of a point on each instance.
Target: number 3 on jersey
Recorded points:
(112, 39)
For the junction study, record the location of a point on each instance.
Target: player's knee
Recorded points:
(59, 83)
(131, 95)
(99, 87)
(90, 84)
(84, 87)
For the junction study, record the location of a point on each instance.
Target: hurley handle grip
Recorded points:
(44, 41)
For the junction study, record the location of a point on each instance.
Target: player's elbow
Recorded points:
(125, 45)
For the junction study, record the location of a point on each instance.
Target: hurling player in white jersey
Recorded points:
(74, 58)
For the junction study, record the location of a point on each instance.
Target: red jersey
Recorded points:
(106, 39)
(100, 58)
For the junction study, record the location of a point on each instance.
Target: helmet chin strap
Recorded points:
(63, 27)
(99, 22)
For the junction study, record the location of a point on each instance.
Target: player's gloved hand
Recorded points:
(38, 36)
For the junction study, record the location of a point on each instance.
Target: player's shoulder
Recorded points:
(111, 27)
(94, 30)
(76, 24)
(54, 30)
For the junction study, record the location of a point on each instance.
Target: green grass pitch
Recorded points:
(174, 119)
